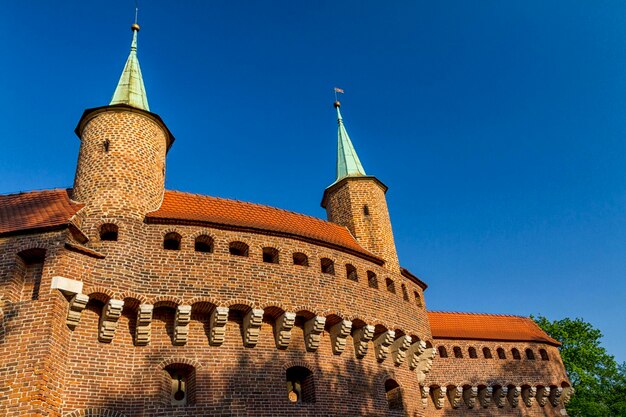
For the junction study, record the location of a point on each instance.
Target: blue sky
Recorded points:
(498, 126)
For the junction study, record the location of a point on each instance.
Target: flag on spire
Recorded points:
(339, 90)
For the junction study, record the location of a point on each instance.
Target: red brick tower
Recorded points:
(357, 201)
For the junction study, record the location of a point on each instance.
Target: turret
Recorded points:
(121, 162)
(357, 201)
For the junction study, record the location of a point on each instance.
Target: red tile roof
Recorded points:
(444, 325)
(35, 210)
(179, 207)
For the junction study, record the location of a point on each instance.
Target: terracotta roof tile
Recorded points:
(35, 210)
(186, 207)
(445, 325)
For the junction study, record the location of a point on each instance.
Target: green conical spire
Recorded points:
(130, 89)
(348, 163)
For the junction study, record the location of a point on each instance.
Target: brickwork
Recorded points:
(359, 204)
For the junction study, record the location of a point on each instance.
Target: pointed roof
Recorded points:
(348, 163)
(130, 89)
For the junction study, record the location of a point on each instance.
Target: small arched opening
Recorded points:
(501, 354)
(204, 244)
(487, 353)
(327, 266)
(300, 385)
(171, 241)
(351, 273)
(393, 393)
(516, 354)
(458, 353)
(443, 352)
(109, 232)
(472, 352)
(301, 259)
(391, 285)
(544, 355)
(405, 293)
(270, 255)
(29, 270)
(372, 280)
(418, 299)
(179, 385)
(530, 355)
(238, 249)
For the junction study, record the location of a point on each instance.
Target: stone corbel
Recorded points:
(499, 396)
(543, 393)
(555, 395)
(469, 396)
(439, 396)
(282, 329)
(513, 396)
(77, 305)
(217, 325)
(424, 392)
(252, 327)
(338, 334)
(528, 395)
(425, 364)
(567, 395)
(454, 396)
(181, 324)
(414, 352)
(313, 329)
(143, 329)
(484, 396)
(108, 321)
(361, 337)
(399, 348)
(382, 343)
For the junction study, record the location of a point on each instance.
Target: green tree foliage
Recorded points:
(600, 383)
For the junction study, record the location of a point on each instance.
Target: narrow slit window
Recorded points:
(300, 385)
(443, 353)
(405, 293)
(487, 353)
(516, 354)
(372, 280)
(472, 353)
(544, 355)
(391, 286)
(328, 266)
(530, 355)
(351, 273)
(458, 353)
(501, 353)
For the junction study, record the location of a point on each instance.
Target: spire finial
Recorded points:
(348, 163)
(130, 89)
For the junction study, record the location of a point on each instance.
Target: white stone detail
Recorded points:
(543, 393)
(181, 324)
(513, 396)
(282, 329)
(67, 286)
(469, 396)
(484, 396)
(399, 348)
(567, 395)
(499, 396)
(252, 327)
(555, 395)
(217, 325)
(108, 321)
(313, 328)
(414, 352)
(425, 364)
(454, 396)
(382, 343)
(77, 305)
(338, 335)
(361, 337)
(528, 395)
(424, 392)
(143, 329)
(439, 396)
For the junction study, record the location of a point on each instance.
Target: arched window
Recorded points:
(108, 231)
(171, 241)
(394, 395)
(300, 385)
(366, 210)
(544, 355)
(458, 353)
(418, 299)
(472, 352)
(515, 354)
(351, 273)
(372, 280)
(443, 353)
(391, 286)
(487, 353)
(238, 249)
(328, 266)
(203, 244)
(29, 270)
(180, 384)
(301, 259)
(530, 355)
(270, 255)
(405, 293)
(501, 354)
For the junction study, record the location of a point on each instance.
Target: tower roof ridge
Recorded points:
(130, 88)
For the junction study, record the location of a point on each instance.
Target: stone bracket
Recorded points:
(439, 395)
(143, 329)
(567, 394)
(67, 286)
(77, 305)
(313, 328)
(108, 321)
(399, 348)
(469, 396)
(217, 324)
(454, 396)
(382, 343)
(484, 396)
(425, 363)
(513, 396)
(424, 392)
(181, 324)
(543, 393)
(499, 396)
(414, 352)
(528, 395)
(282, 329)
(252, 327)
(338, 335)
(555, 395)
(361, 336)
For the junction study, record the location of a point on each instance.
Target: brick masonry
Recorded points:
(233, 363)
